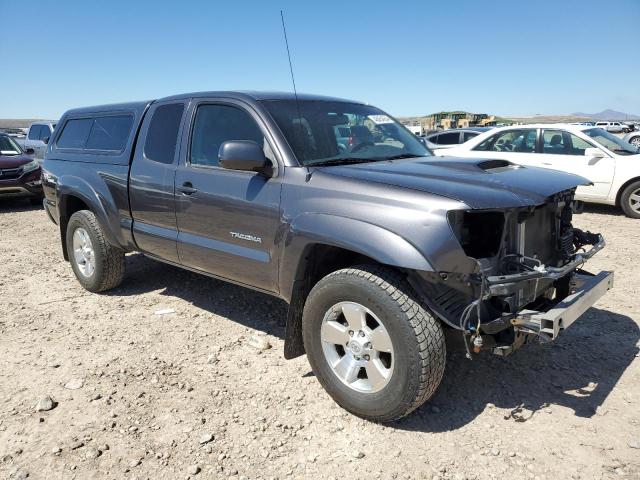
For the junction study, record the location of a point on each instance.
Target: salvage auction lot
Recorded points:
(154, 388)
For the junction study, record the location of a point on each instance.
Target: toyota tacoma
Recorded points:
(385, 254)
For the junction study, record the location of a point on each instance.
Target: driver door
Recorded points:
(565, 151)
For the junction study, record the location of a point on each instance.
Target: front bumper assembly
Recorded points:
(585, 291)
(508, 284)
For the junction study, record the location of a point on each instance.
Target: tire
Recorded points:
(635, 141)
(418, 354)
(630, 200)
(107, 268)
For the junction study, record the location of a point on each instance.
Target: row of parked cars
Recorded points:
(587, 148)
(611, 163)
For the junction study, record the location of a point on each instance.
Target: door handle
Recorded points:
(187, 188)
(547, 163)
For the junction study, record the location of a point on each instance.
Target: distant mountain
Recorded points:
(608, 115)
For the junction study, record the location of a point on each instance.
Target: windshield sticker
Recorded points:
(380, 119)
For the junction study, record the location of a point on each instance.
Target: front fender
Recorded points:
(360, 237)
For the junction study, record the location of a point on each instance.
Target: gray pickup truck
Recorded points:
(37, 137)
(386, 255)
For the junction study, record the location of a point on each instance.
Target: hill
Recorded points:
(608, 115)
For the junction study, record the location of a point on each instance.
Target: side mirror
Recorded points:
(29, 151)
(45, 140)
(243, 155)
(593, 152)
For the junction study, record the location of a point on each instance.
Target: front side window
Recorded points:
(517, 141)
(216, 124)
(44, 132)
(468, 136)
(109, 133)
(34, 132)
(75, 133)
(162, 136)
(310, 129)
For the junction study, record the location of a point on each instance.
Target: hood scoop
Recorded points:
(497, 166)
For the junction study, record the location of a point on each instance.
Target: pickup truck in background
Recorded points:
(612, 127)
(385, 254)
(37, 137)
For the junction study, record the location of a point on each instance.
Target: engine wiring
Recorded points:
(465, 317)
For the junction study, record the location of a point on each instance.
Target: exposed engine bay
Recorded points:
(528, 281)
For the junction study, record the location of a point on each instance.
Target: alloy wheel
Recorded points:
(83, 252)
(357, 347)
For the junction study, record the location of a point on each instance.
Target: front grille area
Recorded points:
(10, 173)
(566, 243)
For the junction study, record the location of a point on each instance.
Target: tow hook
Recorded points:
(477, 343)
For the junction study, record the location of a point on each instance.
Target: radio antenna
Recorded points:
(293, 81)
(286, 42)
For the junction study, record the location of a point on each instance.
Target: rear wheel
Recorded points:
(372, 346)
(97, 264)
(630, 200)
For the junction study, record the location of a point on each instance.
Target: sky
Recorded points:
(504, 57)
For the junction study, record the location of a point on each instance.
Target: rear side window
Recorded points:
(109, 133)
(452, 138)
(522, 141)
(162, 136)
(75, 133)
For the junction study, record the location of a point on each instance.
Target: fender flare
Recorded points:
(360, 237)
(72, 186)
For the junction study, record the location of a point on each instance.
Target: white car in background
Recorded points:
(612, 164)
(613, 127)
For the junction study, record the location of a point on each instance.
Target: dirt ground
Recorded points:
(185, 394)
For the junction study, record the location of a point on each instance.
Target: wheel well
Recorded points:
(622, 188)
(320, 260)
(317, 261)
(69, 205)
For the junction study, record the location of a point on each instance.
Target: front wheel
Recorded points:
(97, 264)
(630, 200)
(372, 346)
(635, 141)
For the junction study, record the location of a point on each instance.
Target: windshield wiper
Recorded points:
(624, 151)
(404, 155)
(341, 161)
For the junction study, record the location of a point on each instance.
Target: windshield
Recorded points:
(8, 146)
(611, 142)
(325, 132)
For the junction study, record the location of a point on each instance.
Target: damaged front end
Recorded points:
(528, 280)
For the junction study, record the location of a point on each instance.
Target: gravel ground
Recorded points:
(193, 392)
